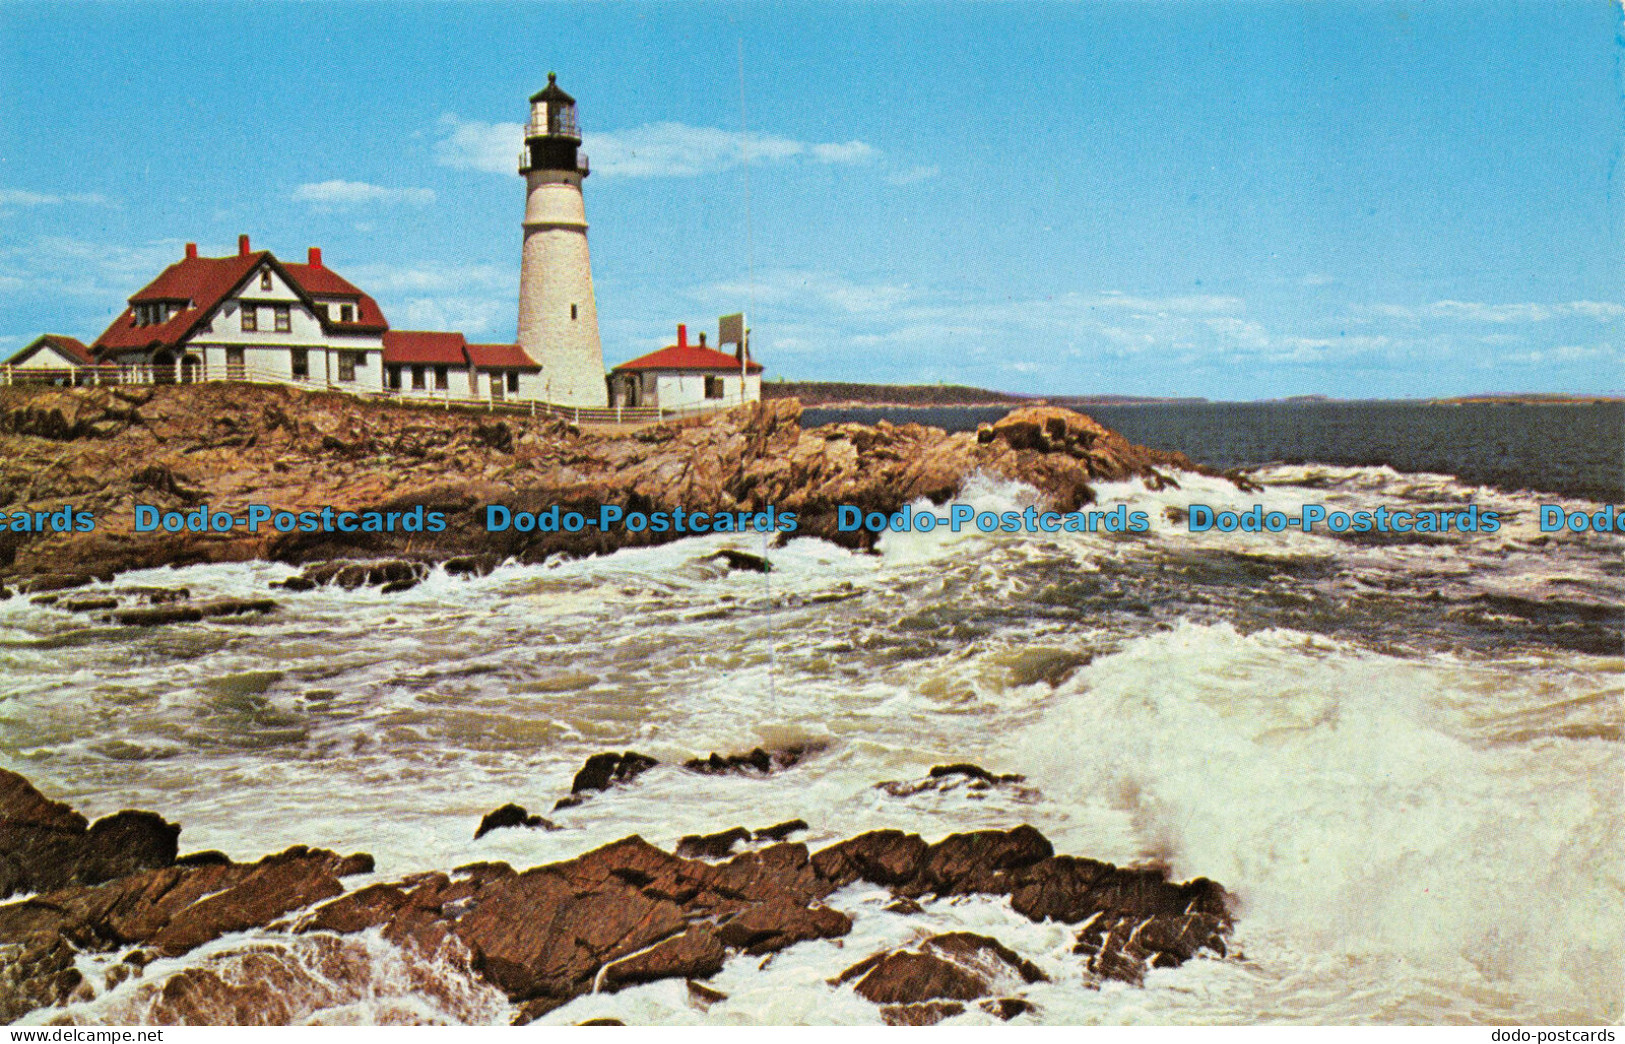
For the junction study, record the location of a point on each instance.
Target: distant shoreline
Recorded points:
(836, 395)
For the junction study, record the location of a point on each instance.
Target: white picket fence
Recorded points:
(115, 374)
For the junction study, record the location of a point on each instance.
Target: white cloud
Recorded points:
(471, 145)
(913, 175)
(59, 266)
(479, 300)
(337, 193)
(845, 152)
(797, 288)
(1518, 312)
(25, 198)
(1566, 353)
(653, 150)
(472, 316)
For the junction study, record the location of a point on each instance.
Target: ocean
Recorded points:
(1403, 756)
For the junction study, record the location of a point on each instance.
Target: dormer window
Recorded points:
(265, 279)
(347, 313)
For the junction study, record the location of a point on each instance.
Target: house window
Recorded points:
(234, 364)
(300, 360)
(417, 378)
(393, 378)
(347, 313)
(284, 319)
(572, 311)
(513, 383)
(347, 366)
(265, 279)
(713, 387)
(441, 379)
(251, 318)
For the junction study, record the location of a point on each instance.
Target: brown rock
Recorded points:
(741, 560)
(906, 977)
(1069, 889)
(601, 771)
(711, 846)
(539, 934)
(46, 845)
(928, 1014)
(773, 925)
(780, 831)
(884, 857)
(982, 861)
(88, 605)
(511, 815)
(272, 887)
(1006, 1008)
(984, 951)
(696, 953)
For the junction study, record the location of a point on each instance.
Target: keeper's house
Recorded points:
(249, 317)
(252, 317)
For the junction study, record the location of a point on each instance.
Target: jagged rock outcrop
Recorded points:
(229, 446)
(45, 844)
(623, 914)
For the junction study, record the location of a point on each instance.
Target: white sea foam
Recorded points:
(1418, 826)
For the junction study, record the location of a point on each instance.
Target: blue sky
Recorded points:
(1238, 200)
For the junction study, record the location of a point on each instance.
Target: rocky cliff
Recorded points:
(104, 450)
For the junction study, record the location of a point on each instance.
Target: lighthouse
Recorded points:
(558, 318)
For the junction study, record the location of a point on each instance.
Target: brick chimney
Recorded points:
(242, 246)
(191, 251)
(682, 335)
(315, 257)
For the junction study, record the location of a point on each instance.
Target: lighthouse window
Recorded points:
(572, 311)
(284, 319)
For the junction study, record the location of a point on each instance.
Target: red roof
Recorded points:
(325, 282)
(71, 347)
(206, 281)
(501, 356)
(687, 357)
(425, 346)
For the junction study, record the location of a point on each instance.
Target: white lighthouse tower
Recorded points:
(558, 318)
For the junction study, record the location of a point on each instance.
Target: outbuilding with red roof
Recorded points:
(684, 375)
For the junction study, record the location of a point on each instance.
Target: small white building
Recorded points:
(53, 357)
(684, 375)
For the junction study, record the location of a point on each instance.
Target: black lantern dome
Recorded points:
(553, 136)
